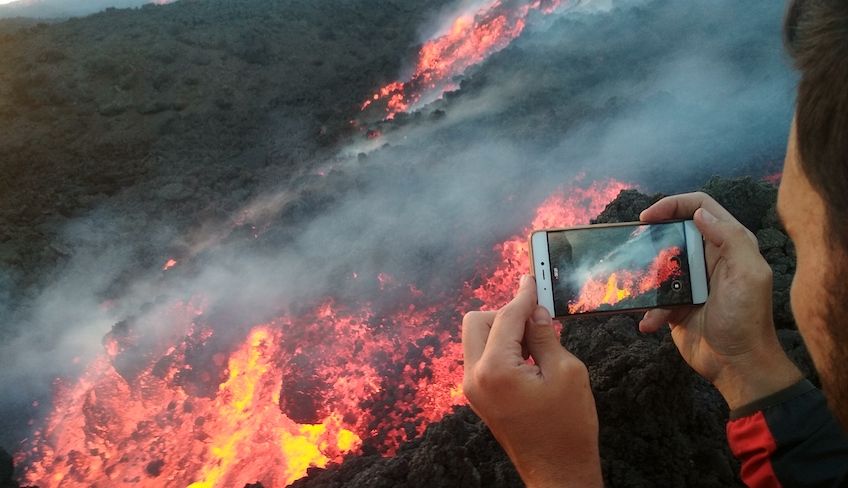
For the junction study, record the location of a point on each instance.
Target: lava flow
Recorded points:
(296, 392)
(620, 285)
(468, 40)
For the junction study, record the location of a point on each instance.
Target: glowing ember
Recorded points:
(296, 392)
(466, 42)
(622, 284)
(169, 264)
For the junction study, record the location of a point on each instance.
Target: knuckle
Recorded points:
(488, 378)
(759, 274)
(576, 367)
(469, 389)
(751, 236)
(704, 197)
(507, 312)
(470, 318)
(738, 232)
(763, 273)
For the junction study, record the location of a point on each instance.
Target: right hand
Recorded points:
(730, 340)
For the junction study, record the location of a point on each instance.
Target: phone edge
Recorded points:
(699, 286)
(542, 273)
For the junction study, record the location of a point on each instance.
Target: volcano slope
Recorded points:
(167, 116)
(169, 101)
(661, 424)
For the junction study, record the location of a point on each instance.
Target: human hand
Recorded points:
(543, 414)
(730, 340)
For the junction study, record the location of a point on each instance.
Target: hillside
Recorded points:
(59, 9)
(194, 94)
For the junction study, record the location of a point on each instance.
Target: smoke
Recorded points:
(61, 9)
(635, 253)
(659, 93)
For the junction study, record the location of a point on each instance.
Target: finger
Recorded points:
(475, 332)
(542, 340)
(654, 320)
(731, 238)
(683, 207)
(508, 326)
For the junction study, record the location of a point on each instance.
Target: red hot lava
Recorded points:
(295, 392)
(468, 40)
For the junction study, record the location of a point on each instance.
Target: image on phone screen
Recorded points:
(619, 268)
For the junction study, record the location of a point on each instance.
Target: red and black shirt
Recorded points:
(789, 439)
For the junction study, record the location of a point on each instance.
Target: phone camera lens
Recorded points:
(543, 263)
(676, 285)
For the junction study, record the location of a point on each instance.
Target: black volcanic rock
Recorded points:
(7, 470)
(748, 200)
(626, 207)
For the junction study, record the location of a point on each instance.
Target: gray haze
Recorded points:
(659, 93)
(61, 9)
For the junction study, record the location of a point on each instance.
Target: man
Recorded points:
(780, 427)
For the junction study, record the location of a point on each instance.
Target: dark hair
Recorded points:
(816, 36)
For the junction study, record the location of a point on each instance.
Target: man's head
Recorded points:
(813, 198)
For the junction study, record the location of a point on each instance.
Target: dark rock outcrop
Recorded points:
(7, 470)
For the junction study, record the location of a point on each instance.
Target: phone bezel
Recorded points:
(542, 272)
(697, 263)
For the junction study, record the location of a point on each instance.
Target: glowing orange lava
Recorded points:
(295, 392)
(622, 284)
(466, 42)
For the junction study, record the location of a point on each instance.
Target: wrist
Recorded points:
(756, 376)
(578, 473)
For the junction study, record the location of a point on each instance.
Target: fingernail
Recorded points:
(524, 280)
(708, 217)
(541, 316)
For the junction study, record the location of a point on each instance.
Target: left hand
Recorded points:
(543, 414)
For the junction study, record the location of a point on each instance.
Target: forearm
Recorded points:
(580, 477)
(567, 470)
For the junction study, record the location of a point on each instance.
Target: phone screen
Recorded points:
(619, 268)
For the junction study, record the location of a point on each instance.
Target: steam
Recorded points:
(60, 9)
(636, 253)
(661, 93)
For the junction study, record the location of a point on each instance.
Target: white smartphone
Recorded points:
(615, 268)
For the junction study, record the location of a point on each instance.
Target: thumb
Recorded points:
(541, 339)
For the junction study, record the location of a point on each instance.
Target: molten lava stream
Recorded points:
(288, 398)
(468, 41)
